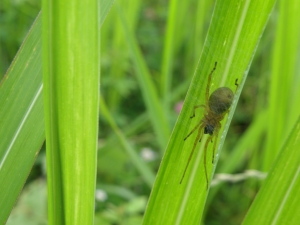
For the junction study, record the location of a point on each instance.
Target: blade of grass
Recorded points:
(284, 90)
(277, 201)
(167, 59)
(22, 123)
(145, 171)
(21, 113)
(118, 68)
(118, 191)
(203, 10)
(154, 108)
(71, 73)
(233, 35)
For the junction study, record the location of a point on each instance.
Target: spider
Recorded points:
(216, 107)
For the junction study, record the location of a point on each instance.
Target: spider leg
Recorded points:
(192, 152)
(236, 84)
(205, 169)
(192, 131)
(209, 82)
(201, 136)
(213, 153)
(196, 107)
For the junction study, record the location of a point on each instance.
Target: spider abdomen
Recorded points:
(220, 100)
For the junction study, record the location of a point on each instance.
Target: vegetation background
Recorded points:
(126, 135)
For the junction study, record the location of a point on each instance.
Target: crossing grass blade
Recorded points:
(149, 92)
(22, 120)
(277, 201)
(145, 171)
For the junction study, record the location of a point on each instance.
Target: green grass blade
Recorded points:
(232, 39)
(154, 108)
(22, 118)
(145, 171)
(118, 69)
(284, 89)
(71, 73)
(277, 201)
(169, 45)
(22, 123)
(203, 9)
(199, 24)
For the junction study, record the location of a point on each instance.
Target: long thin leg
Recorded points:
(209, 82)
(192, 131)
(199, 135)
(213, 153)
(205, 169)
(196, 107)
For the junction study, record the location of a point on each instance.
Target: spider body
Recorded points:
(216, 107)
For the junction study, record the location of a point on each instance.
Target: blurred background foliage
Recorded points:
(122, 192)
(16, 17)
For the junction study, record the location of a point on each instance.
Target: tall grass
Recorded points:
(151, 52)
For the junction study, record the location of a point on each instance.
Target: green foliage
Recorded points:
(149, 53)
(276, 202)
(15, 19)
(283, 103)
(22, 120)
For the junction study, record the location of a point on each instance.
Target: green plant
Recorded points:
(147, 65)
